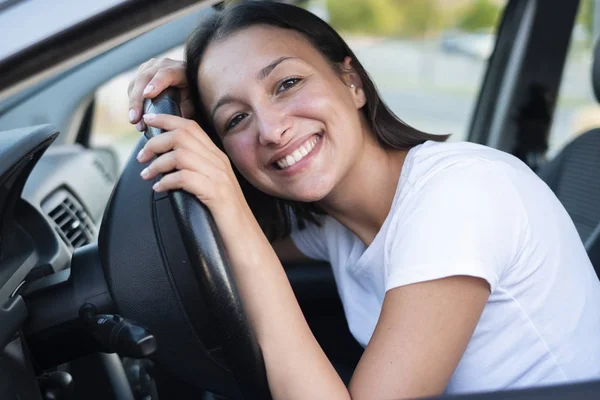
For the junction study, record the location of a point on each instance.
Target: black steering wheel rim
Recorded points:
(196, 304)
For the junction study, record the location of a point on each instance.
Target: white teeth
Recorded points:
(298, 154)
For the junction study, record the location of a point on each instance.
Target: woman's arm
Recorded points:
(421, 335)
(423, 328)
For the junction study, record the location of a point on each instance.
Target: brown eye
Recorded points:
(288, 84)
(233, 122)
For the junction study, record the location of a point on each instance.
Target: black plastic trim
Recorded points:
(12, 315)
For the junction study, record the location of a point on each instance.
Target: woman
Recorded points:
(458, 268)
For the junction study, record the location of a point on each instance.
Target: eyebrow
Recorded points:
(262, 74)
(269, 68)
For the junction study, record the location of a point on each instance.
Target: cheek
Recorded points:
(323, 101)
(241, 150)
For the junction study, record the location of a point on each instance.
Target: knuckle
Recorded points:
(168, 70)
(192, 125)
(179, 156)
(164, 61)
(224, 159)
(178, 138)
(146, 65)
(181, 178)
(147, 75)
(223, 162)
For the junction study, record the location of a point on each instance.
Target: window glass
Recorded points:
(577, 109)
(427, 57)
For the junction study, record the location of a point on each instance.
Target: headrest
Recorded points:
(596, 70)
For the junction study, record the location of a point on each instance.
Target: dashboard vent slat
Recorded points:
(71, 220)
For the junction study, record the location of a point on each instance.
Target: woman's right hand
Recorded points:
(151, 79)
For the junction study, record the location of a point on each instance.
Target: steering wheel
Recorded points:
(166, 269)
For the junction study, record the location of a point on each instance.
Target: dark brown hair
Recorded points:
(273, 214)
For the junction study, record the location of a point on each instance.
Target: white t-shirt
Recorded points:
(466, 209)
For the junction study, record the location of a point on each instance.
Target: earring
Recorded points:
(352, 85)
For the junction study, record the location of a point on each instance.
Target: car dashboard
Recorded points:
(51, 203)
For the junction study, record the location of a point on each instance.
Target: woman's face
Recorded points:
(287, 120)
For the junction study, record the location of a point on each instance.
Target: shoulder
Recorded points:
(470, 179)
(458, 201)
(458, 163)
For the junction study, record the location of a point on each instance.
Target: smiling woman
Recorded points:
(295, 75)
(450, 258)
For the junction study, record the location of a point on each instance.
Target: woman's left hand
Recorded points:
(191, 161)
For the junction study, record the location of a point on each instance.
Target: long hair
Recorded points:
(276, 215)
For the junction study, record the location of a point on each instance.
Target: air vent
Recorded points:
(72, 222)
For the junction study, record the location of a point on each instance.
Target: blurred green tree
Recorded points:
(478, 15)
(384, 17)
(417, 17)
(585, 15)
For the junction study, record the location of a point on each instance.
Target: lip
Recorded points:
(290, 148)
(302, 164)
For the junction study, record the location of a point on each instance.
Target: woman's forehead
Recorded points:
(251, 47)
(241, 55)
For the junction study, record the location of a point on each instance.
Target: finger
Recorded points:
(173, 140)
(136, 97)
(171, 123)
(140, 69)
(192, 182)
(164, 78)
(179, 159)
(164, 143)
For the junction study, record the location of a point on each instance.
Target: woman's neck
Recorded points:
(363, 199)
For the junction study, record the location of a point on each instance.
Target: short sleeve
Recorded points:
(466, 220)
(311, 240)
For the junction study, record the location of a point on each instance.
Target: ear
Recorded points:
(354, 83)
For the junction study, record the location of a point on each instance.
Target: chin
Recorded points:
(309, 194)
(305, 191)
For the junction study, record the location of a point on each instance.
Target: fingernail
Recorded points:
(156, 186)
(132, 115)
(144, 173)
(139, 126)
(149, 117)
(140, 155)
(148, 89)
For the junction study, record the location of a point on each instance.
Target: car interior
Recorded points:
(111, 291)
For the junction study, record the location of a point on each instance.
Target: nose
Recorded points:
(272, 124)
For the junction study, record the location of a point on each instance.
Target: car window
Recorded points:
(427, 57)
(577, 109)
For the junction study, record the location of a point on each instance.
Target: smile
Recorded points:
(298, 154)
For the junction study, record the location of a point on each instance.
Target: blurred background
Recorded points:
(428, 68)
